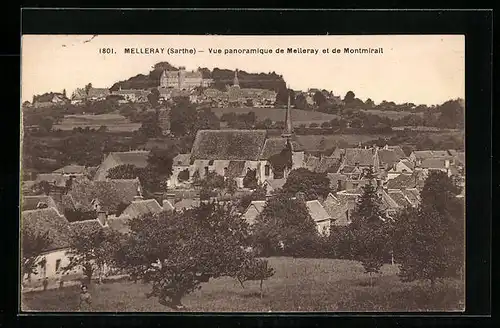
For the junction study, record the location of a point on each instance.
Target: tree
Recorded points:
(254, 269)
(154, 97)
(178, 251)
(282, 161)
(46, 124)
(161, 161)
(150, 127)
(429, 240)
(368, 231)
(183, 175)
(349, 97)
(284, 228)
(212, 185)
(250, 179)
(319, 98)
(183, 117)
(126, 171)
(313, 185)
(87, 88)
(33, 245)
(92, 250)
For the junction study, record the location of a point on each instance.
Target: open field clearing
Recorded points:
(278, 114)
(390, 113)
(114, 122)
(298, 285)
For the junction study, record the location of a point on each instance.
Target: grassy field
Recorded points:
(278, 114)
(114, 122)
(312, 142)
(298, 285)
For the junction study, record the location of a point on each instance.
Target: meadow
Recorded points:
(278, 114)
(114, 122)
(299, 285)
(394, 115)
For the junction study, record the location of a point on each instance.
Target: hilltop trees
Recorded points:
(429, 240)
(176, 252)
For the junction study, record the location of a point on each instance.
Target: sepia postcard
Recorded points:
(209, 173)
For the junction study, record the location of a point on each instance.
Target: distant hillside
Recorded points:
(221, 77)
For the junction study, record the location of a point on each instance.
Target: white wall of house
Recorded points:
(55, 261)
(323, 227)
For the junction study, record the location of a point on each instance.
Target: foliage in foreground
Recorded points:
(177, 252)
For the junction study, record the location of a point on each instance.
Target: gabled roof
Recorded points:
(337, 208)
(387, 157)
(253, 210)
(398, 151)
(423, 154)
(138, 158)
(31, 202)
(273, 146)
(181, 160)
(399, 198)
(312, 163)
(109, 193)
(236, 169)
(317, 211)
(387, 202)
(364, 157)
(334, 178)
(404, 181)
(72, 169)
(413, 195)
(275, 183)
(47, 97)
(48, 220)
(98, 92)
(407, 163)
(142, 207)
(228, 144)
(328, 164)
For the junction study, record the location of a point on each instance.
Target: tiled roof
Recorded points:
(48, 220)
(387, 157)
(334, 178)
(349, 169)
(433, 163)
(387, 201)
(423, 154)
(138, 158)
(142, 207)
(312, 163)
(273, 146)
(85, 227)
(109, 193)
(253, 210)
(317, 211)
(413, 195)
(186, 203)
(98, 92)
(460, 158)
(47, 97)
(404, 181)
(72, 169)
(398, 151)
(399, 198)
(31, 202)
(236, 169)
(276, 183)
(408, 164)
(57, 179)
(181, 160)
(228, 144)
(364, 157)
(120, 224)
(337, 209)
(328, 164)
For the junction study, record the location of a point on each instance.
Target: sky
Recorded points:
(422, 69)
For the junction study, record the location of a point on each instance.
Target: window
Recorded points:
(266, 170)
(206, 170)
(225, 171)
(58, 265)
(354, 185)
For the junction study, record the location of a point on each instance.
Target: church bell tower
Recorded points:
(288, 131)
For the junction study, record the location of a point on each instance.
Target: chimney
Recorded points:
(138, 197)
(103, 218)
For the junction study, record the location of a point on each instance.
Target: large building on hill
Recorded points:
(183, 80)
(138, 158)
(236, 96)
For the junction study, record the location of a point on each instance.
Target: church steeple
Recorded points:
(236, 83)
(287, 133)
